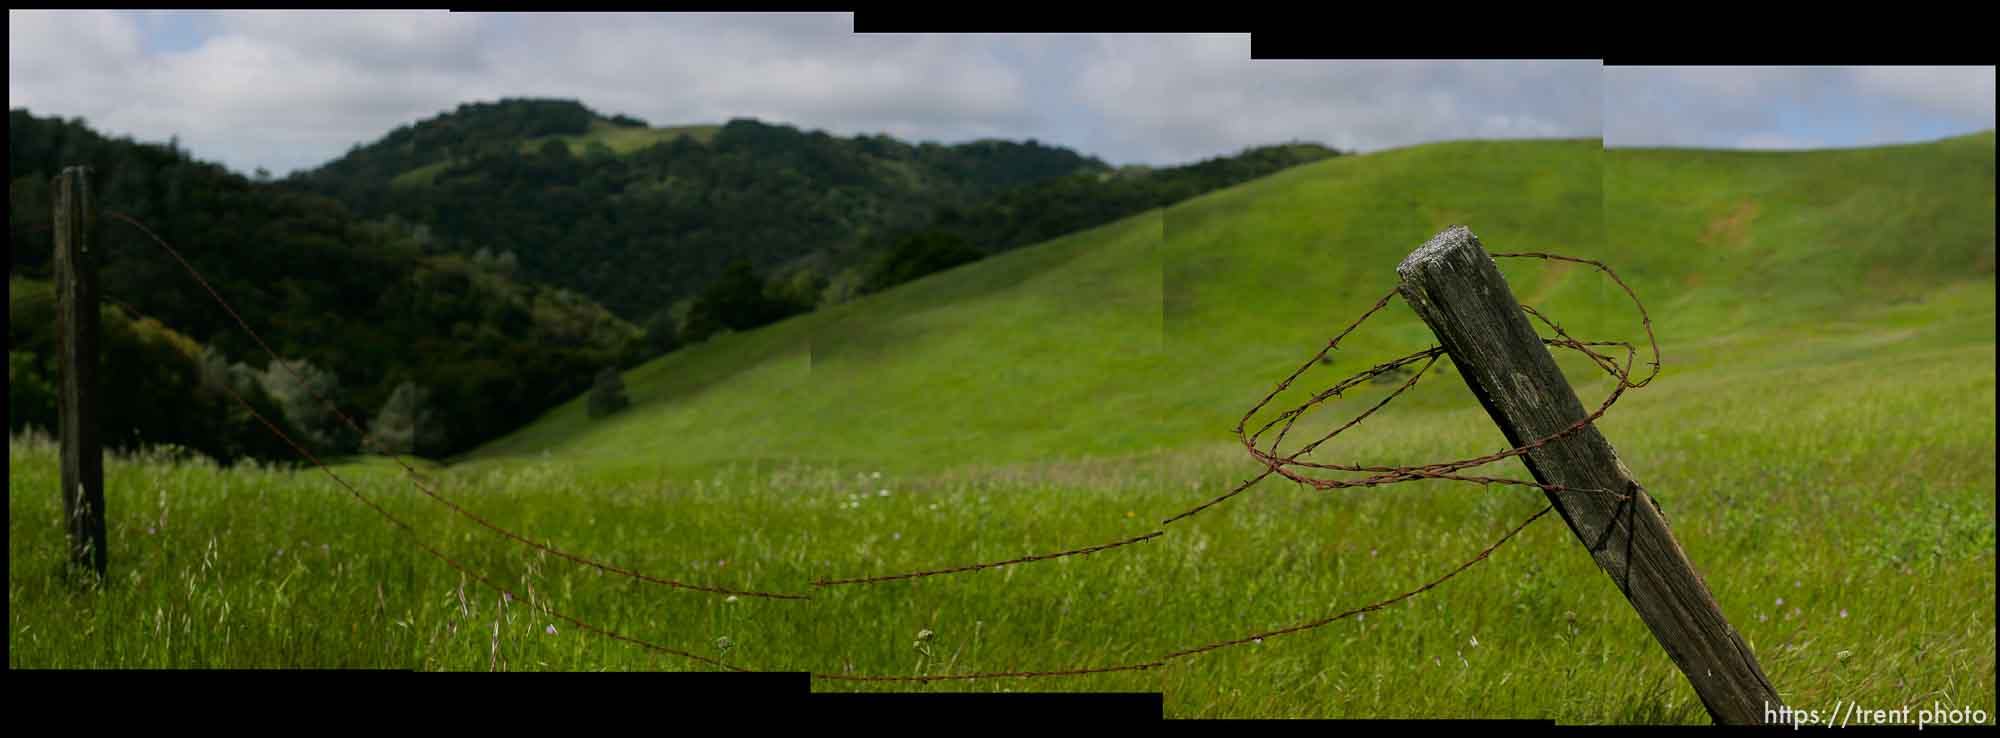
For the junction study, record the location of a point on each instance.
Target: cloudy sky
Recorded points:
(284, 90)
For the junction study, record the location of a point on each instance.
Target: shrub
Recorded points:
(607, 395)
(406, 424)
(306, 392)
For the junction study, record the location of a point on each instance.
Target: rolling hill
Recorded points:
(641, 218)
(1159, 330)
(638, 217)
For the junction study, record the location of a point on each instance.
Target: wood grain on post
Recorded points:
(75, 274)
(1455, 286)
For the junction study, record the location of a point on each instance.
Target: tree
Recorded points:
(607, 396)
(661, 334)
(921, 254)
(799, 291)
(405, 425)
(306, 393)
(737, 301)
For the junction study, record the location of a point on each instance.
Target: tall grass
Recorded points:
(1845, 522)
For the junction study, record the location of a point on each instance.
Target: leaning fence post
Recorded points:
(1455, 286)
(76, 337)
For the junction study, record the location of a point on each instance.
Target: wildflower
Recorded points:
(897, 536)
(551, 630)
(1843, 612)
(1129, 513)
(150, 530)
(1371, 552)
(731, 598)
(876, 475)
(1797, 584)
(1781, 602)
(1475, 641)
(883, 493)
(1761, 617)
(1258, 641)
(1361, 616)
(724, 644)
(934, 506)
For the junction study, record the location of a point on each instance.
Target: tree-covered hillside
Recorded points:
(365, 303)
(642, 229)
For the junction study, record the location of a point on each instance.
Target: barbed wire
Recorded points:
(1217, 645)
(404, 526)
(1269, 458)
(823, 582)
(1381, 475)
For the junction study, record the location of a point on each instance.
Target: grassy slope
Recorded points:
(1161, 329)
(1823, 443)
(1128, 337)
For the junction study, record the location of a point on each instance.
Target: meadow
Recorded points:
(1821, 439)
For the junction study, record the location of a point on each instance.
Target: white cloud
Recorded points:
(74, 62)
(1195, 96)
(1957, 91)
(52, 43)
(293, 89)
(1792, 107)
(803, 69)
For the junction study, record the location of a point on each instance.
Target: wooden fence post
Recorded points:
(76, 336)
(1455, 286)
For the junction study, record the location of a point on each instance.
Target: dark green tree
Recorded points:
(925, 253)
(607, 394)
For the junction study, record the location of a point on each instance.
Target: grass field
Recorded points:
(1822, 440)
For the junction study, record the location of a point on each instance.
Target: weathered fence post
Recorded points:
(1455, 286)
(76, 336)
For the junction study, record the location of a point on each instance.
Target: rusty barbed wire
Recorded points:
(1381, 475)
(1208, 647)
(411, 531)
(417, 479)
(1371, 607)
(824, 582)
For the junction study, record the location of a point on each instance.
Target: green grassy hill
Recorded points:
(1822, 442)
(1160, 330)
